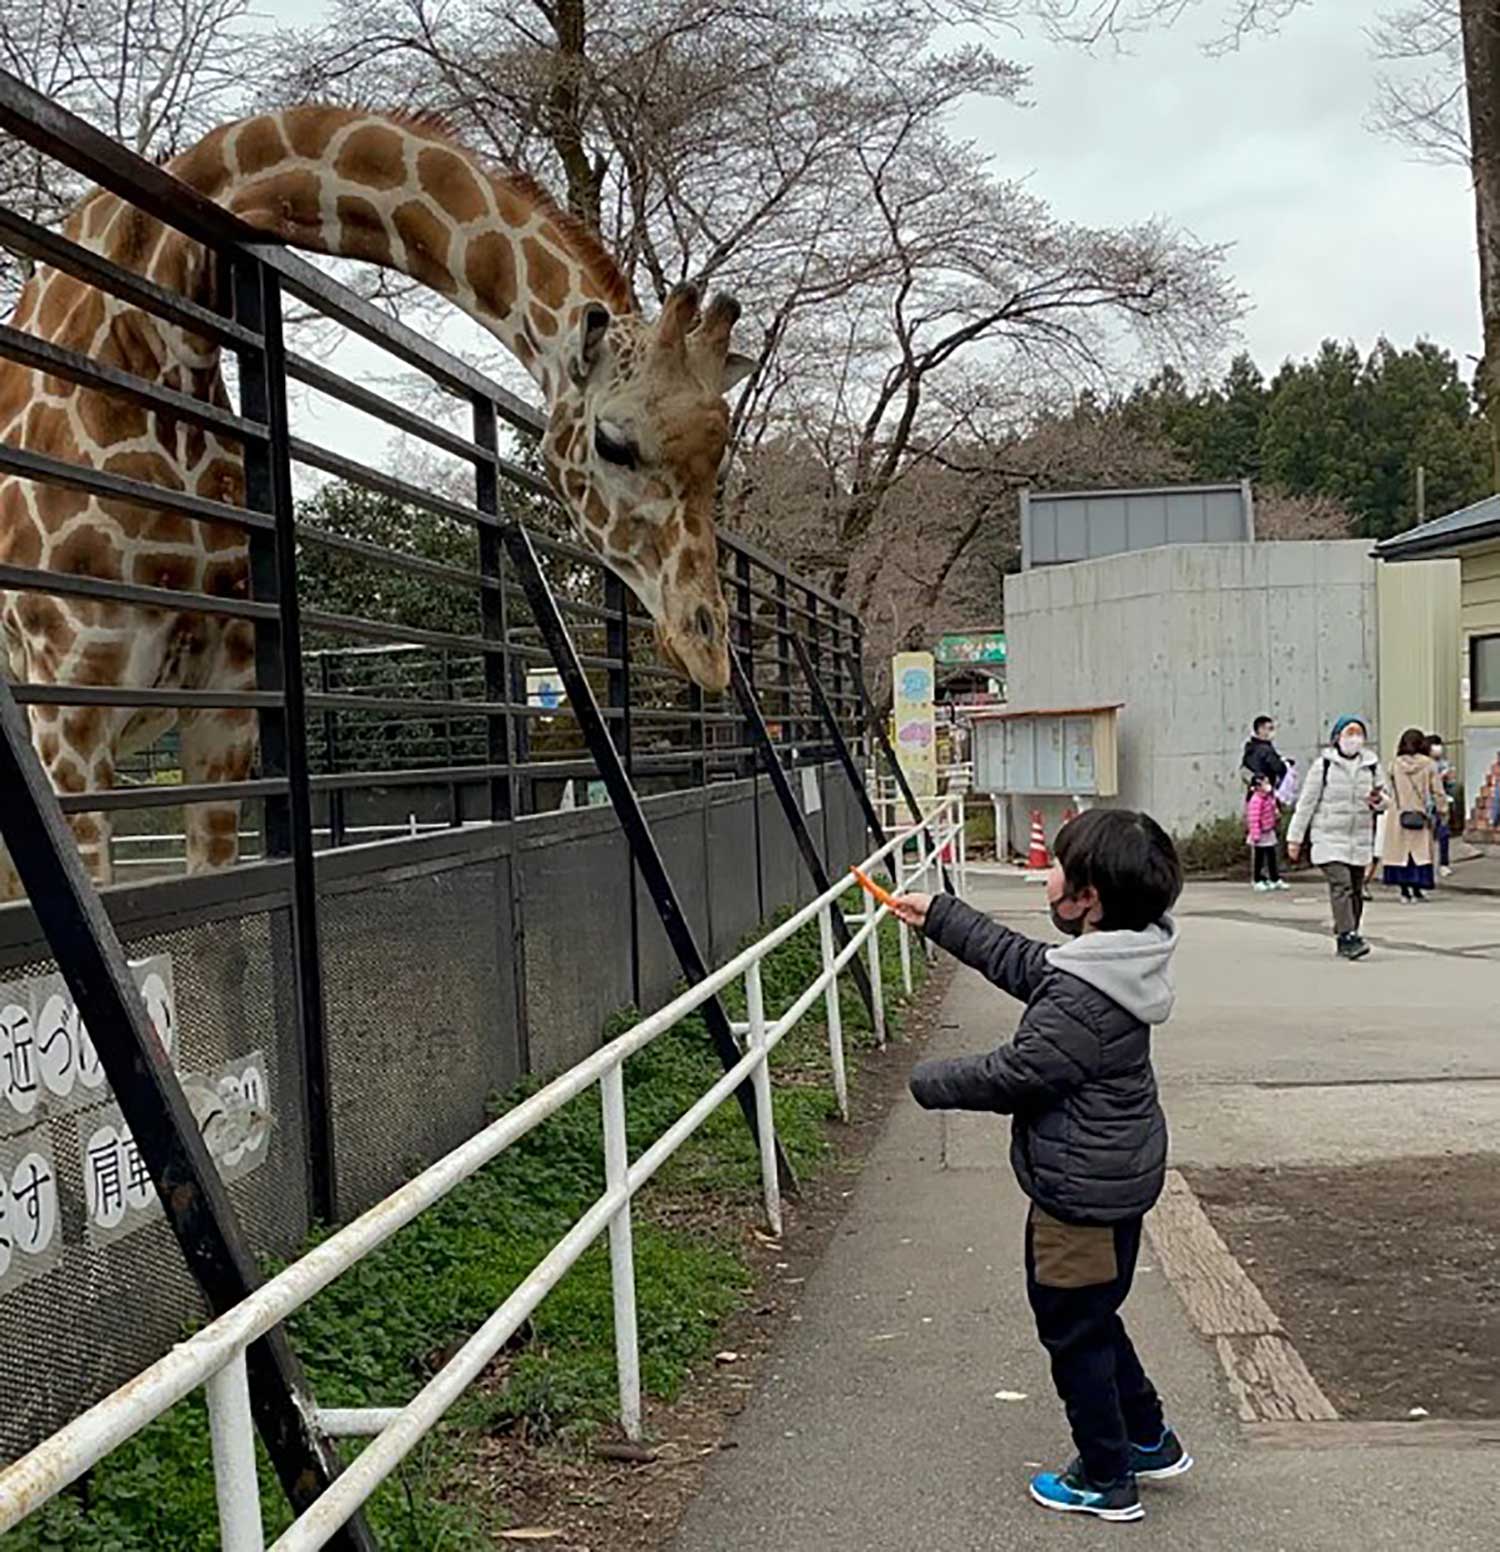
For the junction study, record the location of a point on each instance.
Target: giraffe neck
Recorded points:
(399, 192)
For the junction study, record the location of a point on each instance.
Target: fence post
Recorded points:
(621, 1251)
(236, 1480)
(268, 488)
(617, 648)
(872, 915)
(758, 1042)
(905, 937)
(336, 811)
(834, 1012)
(494, 618)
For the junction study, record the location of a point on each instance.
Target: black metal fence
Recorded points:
(381, 994)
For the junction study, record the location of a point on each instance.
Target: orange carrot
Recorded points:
(869, 885)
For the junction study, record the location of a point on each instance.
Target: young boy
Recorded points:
(1088, 1138)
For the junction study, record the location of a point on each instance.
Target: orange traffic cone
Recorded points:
(1036, 856)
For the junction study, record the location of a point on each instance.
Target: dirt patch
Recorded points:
(598, 1502)
(1384, 1275)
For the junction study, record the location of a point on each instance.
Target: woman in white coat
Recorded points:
(1344, 791)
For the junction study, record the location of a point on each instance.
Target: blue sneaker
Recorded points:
(1072, 1493)
(1159, 1461)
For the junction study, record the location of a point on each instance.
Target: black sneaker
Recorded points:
(1352, 946)
(1157, 1462)
(1072, 1493)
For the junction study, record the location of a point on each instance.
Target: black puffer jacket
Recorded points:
(1088, 1138)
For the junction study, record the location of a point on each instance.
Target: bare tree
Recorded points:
(1282, 516)
(1420, 100)
(155, 74)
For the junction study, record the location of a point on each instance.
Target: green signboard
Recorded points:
(976, 647)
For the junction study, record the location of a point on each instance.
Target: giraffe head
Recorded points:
(637, 432)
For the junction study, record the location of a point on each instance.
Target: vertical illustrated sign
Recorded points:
(913, 680)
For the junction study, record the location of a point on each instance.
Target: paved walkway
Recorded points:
(882, 1424)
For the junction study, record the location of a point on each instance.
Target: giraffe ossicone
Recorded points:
(637, 426)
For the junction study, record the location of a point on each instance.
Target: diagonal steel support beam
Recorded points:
(840, 743)
(876, 725)
(193, 1196)
(627, 804)
(761, 735)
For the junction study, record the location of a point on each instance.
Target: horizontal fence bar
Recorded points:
(316, 376)
(169, 795)
(186, 700)
(31, 241)
(28, 350)
(29, 465)
(63, 584)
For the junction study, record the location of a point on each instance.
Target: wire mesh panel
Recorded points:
(422, 1019)
(109, 1292)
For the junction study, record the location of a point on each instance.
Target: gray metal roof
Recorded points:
(1477, 524)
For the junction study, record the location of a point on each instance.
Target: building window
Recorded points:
(1484, 673)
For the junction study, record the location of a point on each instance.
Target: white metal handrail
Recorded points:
(214, 1357)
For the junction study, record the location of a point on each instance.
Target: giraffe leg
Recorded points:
(217, 746)
(70, 770)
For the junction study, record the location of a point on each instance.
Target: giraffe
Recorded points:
(637, 427)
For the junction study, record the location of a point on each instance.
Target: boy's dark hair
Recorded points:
(1261, 722)
(1128, 860)
(1413, 741)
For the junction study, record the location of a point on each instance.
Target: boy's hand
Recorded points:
(912, 909)
(1294, 852)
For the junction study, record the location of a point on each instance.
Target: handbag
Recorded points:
(1413, 819)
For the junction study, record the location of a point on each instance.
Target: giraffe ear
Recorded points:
(737, 368)
(588, 343)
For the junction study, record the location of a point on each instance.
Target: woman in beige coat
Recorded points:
(1417, 802)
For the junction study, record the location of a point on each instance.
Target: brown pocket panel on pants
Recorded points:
(1071, 1255)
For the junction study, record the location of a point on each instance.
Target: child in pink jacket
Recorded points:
(1260, 833)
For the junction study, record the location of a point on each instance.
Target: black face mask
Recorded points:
(1069, 927)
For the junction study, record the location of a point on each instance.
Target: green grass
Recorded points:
(375, 1335)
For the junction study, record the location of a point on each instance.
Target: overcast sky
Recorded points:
(1336, 232)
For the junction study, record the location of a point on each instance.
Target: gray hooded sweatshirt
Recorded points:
(1088, 1137)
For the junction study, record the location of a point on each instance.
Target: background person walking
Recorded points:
(1344, 790)
(1418, 803)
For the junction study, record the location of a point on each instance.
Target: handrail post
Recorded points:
(236, 1481)
(622, 1251)
(834, 1012)
(905, 940)
(872, 915)
(759, 1042)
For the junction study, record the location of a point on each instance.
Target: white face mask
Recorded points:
(1351, 743)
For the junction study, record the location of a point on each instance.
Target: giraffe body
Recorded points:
(637, 427)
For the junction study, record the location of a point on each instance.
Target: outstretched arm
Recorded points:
(1050, 1056)
(1013, 963)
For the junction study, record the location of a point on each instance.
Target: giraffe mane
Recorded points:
(585, 241)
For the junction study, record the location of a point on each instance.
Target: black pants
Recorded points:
(1267, 866)
(1077, 1279)
(1346, 894)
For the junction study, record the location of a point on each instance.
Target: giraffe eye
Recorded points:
(614, 449)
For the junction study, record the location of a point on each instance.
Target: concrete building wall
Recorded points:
(1420, 641)
(1197, 640)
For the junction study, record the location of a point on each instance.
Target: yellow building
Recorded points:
(1468, 540)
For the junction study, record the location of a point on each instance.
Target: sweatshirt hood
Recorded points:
(1133, 969)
